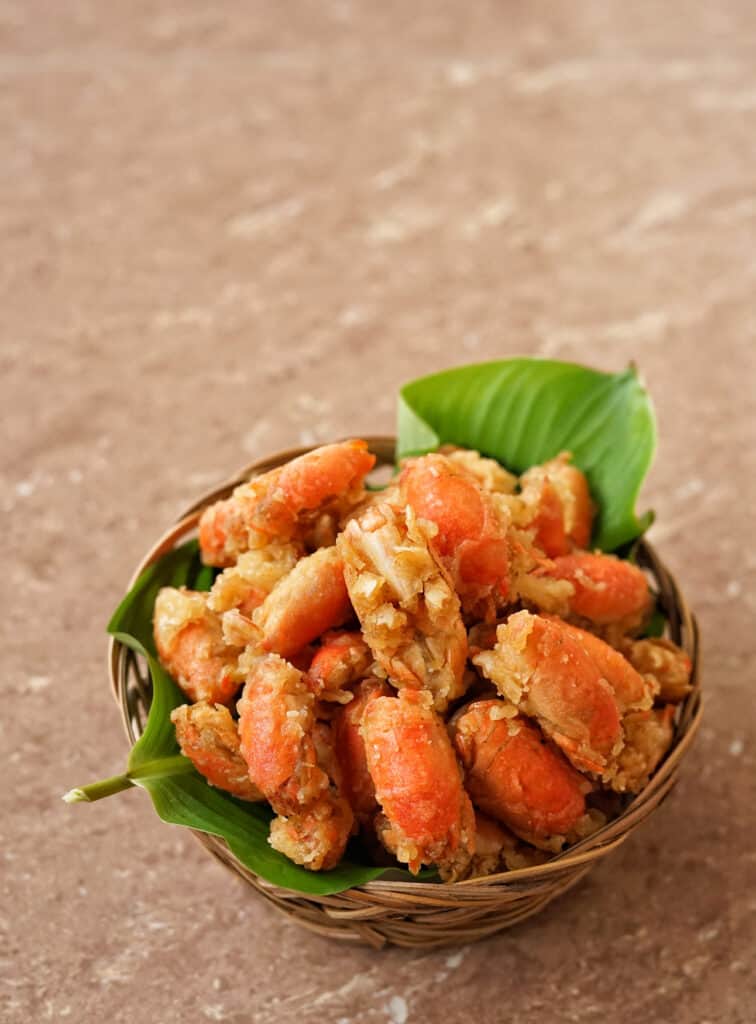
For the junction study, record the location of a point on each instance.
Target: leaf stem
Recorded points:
(98, 790)
(159, 769)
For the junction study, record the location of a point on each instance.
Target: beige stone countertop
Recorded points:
(230, 228)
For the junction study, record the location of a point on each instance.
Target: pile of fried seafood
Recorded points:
(441, 666)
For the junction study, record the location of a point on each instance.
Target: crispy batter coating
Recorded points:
(315, 838)
(311, 599)
(547, 673)
(341, 660)
(427, 816)
(409, 613)
(488, 472)
(513, 775)
(208, 736)
(663, 663)
(471, 538)
(529, 583)
(356, 782)
(609, 593)
(246, 584)
(287, 503)
(191, 646)
(290, 757)
(497, 849)
(276, 723)
(648, 737)
(558, 506)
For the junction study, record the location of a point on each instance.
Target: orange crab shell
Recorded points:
(469, 531)
(208, 736)
(631, 690)
(417, 780)
(543, 669)
(191, 647)
(276, 721)
(311, 599)
(513, 775)
(562, 516)
(607, 589)
(270, 506)
(356, 782)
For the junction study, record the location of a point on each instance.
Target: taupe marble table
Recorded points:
(231, 228)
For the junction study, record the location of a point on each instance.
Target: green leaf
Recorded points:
(520, 412)
(656, 625)
(181, 567)
(180, 795)
(525, 411)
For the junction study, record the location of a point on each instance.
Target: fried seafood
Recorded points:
(287, 502)
(276, 724)
(440, 666)
(290, 758)
(471, 539)
(208, 736)
(513, 775)
(342, 659)
(356, 781)
(489, 474)
(427, 817)
(497, 849)
(246, 584)
(632, 691)
(315, 838)
(408, 610)
(663, 663)
(558, 506)
(191, 646)
(648, 736)
(608, 593)
(311, 599)
(580, 690)
(548, 675)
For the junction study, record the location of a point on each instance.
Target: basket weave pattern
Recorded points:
(415, 914)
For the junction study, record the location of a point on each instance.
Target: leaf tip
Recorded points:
(646, 520)
(75, 796)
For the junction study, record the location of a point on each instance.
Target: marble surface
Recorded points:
(231, 228)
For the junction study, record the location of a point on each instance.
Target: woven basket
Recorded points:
(416, 914)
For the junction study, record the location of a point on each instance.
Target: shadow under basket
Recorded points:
(417, 914)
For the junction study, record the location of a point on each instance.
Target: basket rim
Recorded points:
(577, 858)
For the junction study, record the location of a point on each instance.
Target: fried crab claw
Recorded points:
(609, 594)
(514, 776)
(407, 607)
(574, 685)
(356, 781)
(342, 659)
(192, 648)
(556, 506)
(208, 736)
(427, 817)
(290, 759)
(471, 529)
(309, 600)
(286, 503)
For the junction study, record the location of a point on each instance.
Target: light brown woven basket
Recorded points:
(416, 914)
